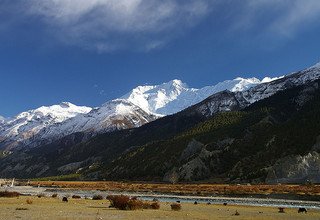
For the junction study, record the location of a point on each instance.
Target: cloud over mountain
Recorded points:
(108, 25)
(143, 25)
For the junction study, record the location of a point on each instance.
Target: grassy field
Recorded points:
(54, 208)
(187, 189)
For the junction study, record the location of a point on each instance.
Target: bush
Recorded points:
(176, 206)
(97, 197)
(29, 201)
(9, 194)
(19, 209)
(134, 204)
(155, 205)
(119, 202)
(41, 195)
(122, 202)
(55, 195)
(76, 197)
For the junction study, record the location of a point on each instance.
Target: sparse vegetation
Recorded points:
(22, 209)
(29, 201)
(188, 189)
(69, 177)
(155, 205)
(9, 194)
(40, 195)
(97, 197)
(175, 206)
(76, 197)
(55, 195)
(123, 202)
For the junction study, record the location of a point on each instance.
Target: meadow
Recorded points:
(35, 208)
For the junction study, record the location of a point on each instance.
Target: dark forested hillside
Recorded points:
(234, 146)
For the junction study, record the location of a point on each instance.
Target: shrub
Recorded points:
(9, 194)
(176, 206)
(29, 201)
(134, 204)
(126, 203)
(155, 205)
(76, 197)
(21, 209)
(55, 195)
(41, 195)
(119, 202)
(97, 197)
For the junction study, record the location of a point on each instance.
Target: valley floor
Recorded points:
(54, 208)
(301, 192)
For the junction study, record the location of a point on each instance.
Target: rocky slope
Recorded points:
(273, 140)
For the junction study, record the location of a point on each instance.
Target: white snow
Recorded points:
(174, 96)
(27, 124)
(2, 119)
(115, 114)
(142, 105)
(317, 65)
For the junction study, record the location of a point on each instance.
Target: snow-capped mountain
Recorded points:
(228, 101)
(142, 105)
(174, 96)
(27, 124)
(114, 115)
(2, 119)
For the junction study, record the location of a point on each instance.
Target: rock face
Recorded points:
(193, 164)
(296, 169)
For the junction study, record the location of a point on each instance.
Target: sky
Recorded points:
(89, 52)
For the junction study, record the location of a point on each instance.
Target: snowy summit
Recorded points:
(174, 96)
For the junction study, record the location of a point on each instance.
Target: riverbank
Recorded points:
(54, 208)
(299, 192)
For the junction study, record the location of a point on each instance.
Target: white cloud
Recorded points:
(283, 18)
(108, 25)
(144, 25)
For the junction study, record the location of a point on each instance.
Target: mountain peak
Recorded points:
(2, 119)
(317, 65)
(66, 104)
(177, 82)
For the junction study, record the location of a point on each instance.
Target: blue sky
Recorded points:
(88, 52)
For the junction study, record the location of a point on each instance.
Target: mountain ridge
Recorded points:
(49, 123)
(245, 120)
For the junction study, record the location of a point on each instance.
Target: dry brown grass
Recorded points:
(29, 201)
(9, 194)
(48, 208)
(187, 189)
(76, 197)
(123, 202)
(97, 197)
(175, 206)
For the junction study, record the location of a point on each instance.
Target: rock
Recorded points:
(192, 148)
(296, 169)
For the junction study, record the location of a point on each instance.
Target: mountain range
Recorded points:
(142, 105)
(236, 131)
